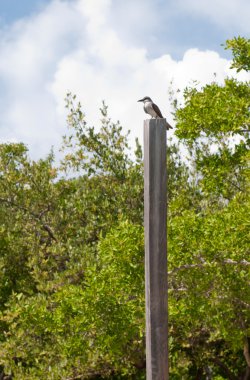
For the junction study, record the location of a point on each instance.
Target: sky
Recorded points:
(113, 50)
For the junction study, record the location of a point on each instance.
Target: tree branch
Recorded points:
(48, 229)
(246, 351)
(230, 375)
(204, 264)
(37, 217)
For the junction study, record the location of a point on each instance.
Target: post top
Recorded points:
(156, 123)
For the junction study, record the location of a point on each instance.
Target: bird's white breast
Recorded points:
(148, 104)
(149, 109)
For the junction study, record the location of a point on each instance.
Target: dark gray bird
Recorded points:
(152, 109)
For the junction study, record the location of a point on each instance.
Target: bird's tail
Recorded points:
(168, 126)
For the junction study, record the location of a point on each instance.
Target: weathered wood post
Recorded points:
(155, 219)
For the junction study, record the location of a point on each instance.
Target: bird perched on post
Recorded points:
(153, 110)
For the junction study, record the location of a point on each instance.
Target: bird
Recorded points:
(152, 109)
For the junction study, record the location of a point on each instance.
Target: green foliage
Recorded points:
(94, 152)
(209, 293)
(93, 327)
(214, 126)
(53, 255)
(72, 255)
(214, 111)
(209, 302)
(240, 47)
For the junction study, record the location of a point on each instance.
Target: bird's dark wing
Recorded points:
(157, 110)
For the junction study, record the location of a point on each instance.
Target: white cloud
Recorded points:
(72, 46)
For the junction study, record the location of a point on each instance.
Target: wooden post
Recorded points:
(155, 219)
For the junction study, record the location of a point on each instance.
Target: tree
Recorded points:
(209, 306)
(72, 283)
(69, 229)
(240, 48)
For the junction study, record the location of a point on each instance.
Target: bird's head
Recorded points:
(145, 99)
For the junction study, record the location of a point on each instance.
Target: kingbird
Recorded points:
(152, 109)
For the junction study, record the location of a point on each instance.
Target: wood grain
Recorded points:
(155, 218)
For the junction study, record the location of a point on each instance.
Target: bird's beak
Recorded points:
(141, 100)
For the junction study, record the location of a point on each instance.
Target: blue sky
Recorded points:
(106, 49)
(11, 10)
